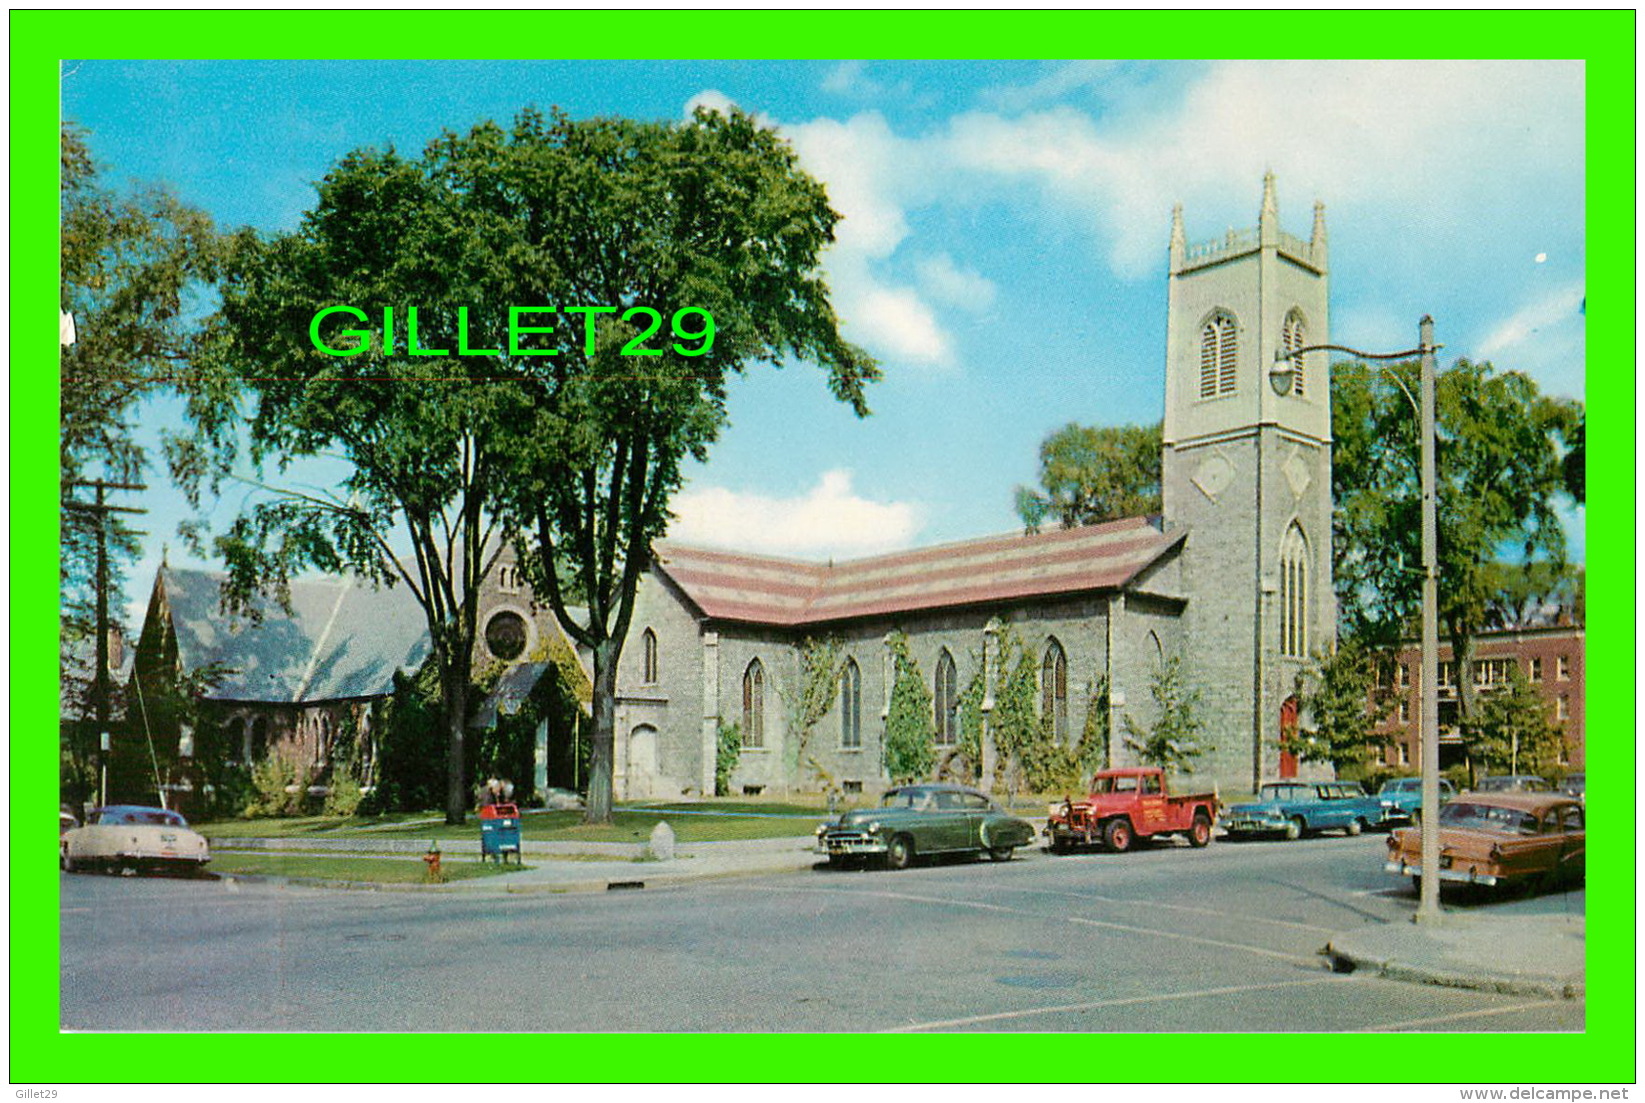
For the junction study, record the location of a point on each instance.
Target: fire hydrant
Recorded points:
(433, 860)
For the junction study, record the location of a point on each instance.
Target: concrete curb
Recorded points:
(1467, 953)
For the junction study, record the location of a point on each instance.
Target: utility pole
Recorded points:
(100, 684)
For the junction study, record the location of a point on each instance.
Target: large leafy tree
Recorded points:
(1090, 474)
(416, 433)
(1502, 476)
(712, 216)
(133, 262)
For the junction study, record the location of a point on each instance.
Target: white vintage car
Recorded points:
(127, 838)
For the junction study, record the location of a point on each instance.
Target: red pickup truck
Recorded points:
(1127, 805)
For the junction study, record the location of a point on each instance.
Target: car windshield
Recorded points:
(1278, 792)
(1402, 786)
(908, 798)
(1125, 783)
(1487, 817)
(155, 817)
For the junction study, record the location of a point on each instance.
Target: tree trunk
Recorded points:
(602, 739)
(455, 693)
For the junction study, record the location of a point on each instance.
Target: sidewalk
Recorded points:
(1467, 950)
(562, 866)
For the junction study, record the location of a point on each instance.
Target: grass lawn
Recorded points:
(406, 870)
(693, 822)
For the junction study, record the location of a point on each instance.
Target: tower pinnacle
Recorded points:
(1316, 246)
(1268, 223)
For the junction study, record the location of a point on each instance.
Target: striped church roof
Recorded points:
(789, 592)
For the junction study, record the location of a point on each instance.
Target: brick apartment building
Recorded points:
(1551, 658)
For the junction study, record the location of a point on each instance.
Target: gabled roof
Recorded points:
(788, 592)
(342, 639)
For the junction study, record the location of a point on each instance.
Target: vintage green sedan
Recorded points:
(917, 820)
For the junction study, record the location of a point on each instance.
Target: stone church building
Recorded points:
(1234, 577)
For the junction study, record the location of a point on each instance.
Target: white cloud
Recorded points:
(872, 176)
(896, 322)
(711, 98)
(830, 519)
(1559, 307)
(954, 286)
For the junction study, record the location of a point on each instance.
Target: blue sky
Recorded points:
(1004, 244)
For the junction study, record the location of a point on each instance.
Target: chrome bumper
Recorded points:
(1462, 876)
(1251, 825)
(849, 845)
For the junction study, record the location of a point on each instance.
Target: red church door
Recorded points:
(1287, 737)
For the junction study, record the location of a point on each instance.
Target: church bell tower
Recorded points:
(1246, 470)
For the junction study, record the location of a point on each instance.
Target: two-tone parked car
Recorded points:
(1514, 783)
(1401, 799)
(917, 820)
(1295, 808)
(128, 838)
(1497, 839)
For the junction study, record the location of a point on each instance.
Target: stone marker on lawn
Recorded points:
(661, 846)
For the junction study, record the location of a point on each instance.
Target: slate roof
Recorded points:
(789, 593)
(343, 639)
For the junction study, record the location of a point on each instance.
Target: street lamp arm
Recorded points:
(1280, 356)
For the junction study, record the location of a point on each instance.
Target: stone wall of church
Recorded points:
(659, 749)
(780, 764)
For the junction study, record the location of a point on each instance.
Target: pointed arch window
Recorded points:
(851, 705)
(648, 657)
(1293, 336)
(1218, 356)
(1293, 594)
(754, 705)
(945, 700)
(1054, 690)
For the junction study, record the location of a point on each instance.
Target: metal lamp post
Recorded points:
(1428, 904)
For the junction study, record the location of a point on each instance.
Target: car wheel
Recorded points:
(1294, 829)
(68, 863)
(1000, 853)
(900, 853)
(1117, 835)
(1354, 827)
(1200, 833)
(1416, 886)
(1060, 846)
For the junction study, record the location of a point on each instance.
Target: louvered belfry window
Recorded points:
(1218, 354)
(1293, 337)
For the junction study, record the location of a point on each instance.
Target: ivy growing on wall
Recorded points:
(728, 749)
(909, 751)
(820, 662)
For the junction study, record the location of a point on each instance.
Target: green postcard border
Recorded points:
(1605, 1053)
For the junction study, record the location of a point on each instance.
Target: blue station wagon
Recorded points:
(1294, 808)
